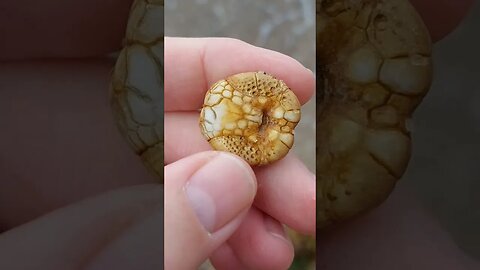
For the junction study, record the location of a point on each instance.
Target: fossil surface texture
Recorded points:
(136, 94)
(252, 115)
(375, 61)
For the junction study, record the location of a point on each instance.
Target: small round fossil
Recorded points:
(252, 115)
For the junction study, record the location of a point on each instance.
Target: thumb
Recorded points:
(206, 197)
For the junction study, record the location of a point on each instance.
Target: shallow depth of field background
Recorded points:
(286, 26)
(445, 166)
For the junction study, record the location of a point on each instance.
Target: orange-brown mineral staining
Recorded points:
(376, 61)
(252, 115)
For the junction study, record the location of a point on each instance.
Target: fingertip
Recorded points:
(287, 191)
(212, 195)
(261, 243)
(298, 78)
(194, 64)
(225, 258)
(244, 166)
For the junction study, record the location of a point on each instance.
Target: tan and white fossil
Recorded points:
(136, 94)
(375, 61)
(252, 115)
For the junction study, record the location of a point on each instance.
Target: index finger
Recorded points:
(192, 65)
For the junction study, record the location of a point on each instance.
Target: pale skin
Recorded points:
(66, 122)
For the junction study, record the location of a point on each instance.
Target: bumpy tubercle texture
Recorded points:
(136, 94)
(374, 57)
(252, 115)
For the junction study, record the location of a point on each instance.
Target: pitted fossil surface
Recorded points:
(375, 58)
(252, 115)
(136, 94)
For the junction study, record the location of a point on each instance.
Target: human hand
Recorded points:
(216, 206)
(64, 102)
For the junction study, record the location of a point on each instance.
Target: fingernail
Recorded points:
(311, 71)
(275, 228)
(220, 190)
